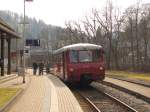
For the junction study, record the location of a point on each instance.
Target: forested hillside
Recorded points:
(37, 29)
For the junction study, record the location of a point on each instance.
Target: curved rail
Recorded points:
(116, 100)
(123, 89)
(112, 98)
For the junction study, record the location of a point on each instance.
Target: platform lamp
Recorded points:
(24, 23)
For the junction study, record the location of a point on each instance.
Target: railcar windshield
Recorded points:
(84, 56)
(97, 54)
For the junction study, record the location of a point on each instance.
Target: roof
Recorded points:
(4, 27)
(79, 46)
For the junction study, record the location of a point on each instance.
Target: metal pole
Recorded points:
(17, 54)
(9, 56)
(23, 65)
(2, 54)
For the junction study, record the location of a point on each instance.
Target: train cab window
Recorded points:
(96, 55)
(85, 56)
(73, 56)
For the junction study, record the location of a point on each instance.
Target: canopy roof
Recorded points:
(5, 28)
(79, 46)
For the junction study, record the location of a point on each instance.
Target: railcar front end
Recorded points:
(85, 66)
(80, 63)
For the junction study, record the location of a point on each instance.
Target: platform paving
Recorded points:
(46, 94)
(145, 91)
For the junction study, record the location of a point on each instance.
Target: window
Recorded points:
(96, 55)
(85, 56)
(73, 56)
(32, 42)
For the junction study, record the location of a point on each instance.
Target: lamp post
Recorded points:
(23, 44)
(23, 56)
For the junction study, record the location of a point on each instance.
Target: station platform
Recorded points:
(45, 93)
(143, 90)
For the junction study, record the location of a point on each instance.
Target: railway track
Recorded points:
(136, 94)
(85, 102)
(92, 100)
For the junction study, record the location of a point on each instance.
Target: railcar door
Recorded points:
(63, 59)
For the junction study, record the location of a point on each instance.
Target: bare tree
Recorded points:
(136, 32)
(129, 23)
(106, 21)
(144, 32)
(90, 27)
(123, 35)
(76, 32)
(118, 19)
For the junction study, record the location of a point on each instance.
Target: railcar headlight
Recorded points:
(101, 68)
(71, 69)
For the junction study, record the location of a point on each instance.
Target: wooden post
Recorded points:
(2, 55)
(9, 56)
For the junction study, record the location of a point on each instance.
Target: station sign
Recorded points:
(32, 42)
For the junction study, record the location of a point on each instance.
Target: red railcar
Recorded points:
(81, 62)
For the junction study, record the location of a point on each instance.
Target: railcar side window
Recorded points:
(85, 56)
(73, 56)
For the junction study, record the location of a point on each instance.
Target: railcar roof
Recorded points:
(79, 46)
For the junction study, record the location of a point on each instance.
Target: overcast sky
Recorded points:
(56, 12)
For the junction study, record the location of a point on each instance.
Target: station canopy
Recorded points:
(5, 28)
(79, 46)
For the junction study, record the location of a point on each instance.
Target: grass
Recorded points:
(6, 94)
(140, 76)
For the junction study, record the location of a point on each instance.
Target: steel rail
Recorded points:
(120, 102)
(123, 89)
(96, 109)
(117, 100)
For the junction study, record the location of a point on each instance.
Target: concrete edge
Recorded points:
(137, 95)
(8, 79)
(7, 106)
(142, 84)
(8, 76)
